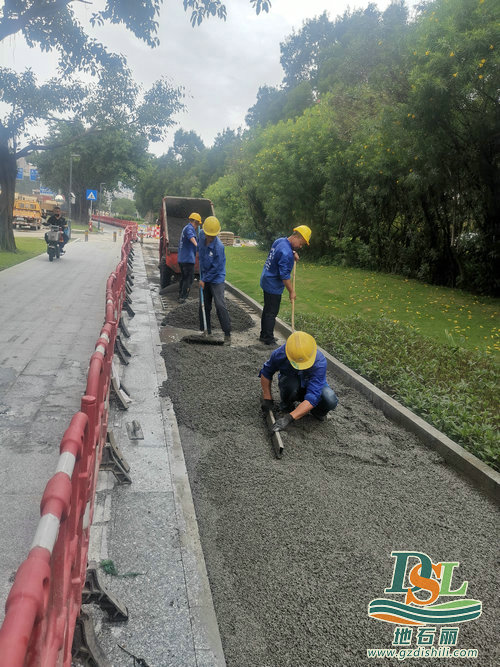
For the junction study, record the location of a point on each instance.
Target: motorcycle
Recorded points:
(54, 238)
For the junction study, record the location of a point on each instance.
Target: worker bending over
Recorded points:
(212, 259)
(302, 378)
(276, 276)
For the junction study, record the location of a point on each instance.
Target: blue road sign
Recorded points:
(33, 174)
(46, 191)
(20, 173)
(92, 195)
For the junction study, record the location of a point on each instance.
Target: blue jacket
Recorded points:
(212, 261)
(313, 379)
(278, 266)
(187, 250)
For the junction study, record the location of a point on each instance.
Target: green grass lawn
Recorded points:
(445, 315)
(26, 249)
(434, 349)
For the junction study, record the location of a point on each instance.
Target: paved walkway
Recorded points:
(51, 316)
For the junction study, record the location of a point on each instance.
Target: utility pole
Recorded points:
(100, 205)
(72, 155)
(100, 195)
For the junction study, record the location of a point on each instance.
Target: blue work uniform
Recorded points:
(186, 257)
(278, 266)
(307, 385)
(212, 259)
(187, 250)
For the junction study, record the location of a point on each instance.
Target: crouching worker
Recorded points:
(302, 378)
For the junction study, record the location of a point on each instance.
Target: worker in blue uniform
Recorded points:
(186, 255)
(276, 276)
(212, 259)
(302, 378)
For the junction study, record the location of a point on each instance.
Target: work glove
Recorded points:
(283, 422)
(266, 404)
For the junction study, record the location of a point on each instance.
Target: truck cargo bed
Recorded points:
(174, 216)
(175, 227)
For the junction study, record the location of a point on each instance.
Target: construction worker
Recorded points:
(302, 378)
(276, 276)
(186, 255)
(212, 258)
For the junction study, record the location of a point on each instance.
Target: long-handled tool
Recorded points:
(205, 338)
(276, 440)
(203, 313)
(293, 300)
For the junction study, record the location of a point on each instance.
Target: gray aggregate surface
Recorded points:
(297, 548)
(186, 315)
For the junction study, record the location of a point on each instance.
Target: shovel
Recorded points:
(204, 338)
(293, 302)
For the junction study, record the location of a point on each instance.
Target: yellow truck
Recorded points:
(48, 206)
(27, 212)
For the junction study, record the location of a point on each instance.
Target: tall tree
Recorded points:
(268, 108)
(187, 147)
(114, 102)
(53, 26)
(109, 156)
(301, 51)
(123, 206)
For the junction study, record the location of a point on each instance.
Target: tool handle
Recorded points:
(293, 300)
(202, 306)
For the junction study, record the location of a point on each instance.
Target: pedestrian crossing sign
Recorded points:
(92, 195)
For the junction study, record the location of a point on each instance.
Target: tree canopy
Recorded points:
(105, 159)
(114, 101)
(122, 206)
(383, 138)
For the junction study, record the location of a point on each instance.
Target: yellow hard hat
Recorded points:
(304, 231)
(211, 226)
(300, 350)
(195, 216)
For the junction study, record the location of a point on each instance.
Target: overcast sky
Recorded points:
(220, 64)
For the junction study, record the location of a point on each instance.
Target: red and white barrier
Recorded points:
(116, 222)
(45, 599)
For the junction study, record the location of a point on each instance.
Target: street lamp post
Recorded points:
(72, 155)
(100, 195)
(100, 204)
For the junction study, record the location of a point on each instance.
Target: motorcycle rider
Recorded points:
(58, 219)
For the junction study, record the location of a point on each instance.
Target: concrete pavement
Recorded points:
(51, 316)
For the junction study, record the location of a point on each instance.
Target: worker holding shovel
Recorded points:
(276, 275)
(187, 255)
(212, 258)
(302, 378)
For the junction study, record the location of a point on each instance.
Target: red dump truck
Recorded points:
(174, 215)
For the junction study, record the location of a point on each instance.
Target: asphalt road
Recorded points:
(51, 315)
(297, 548)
